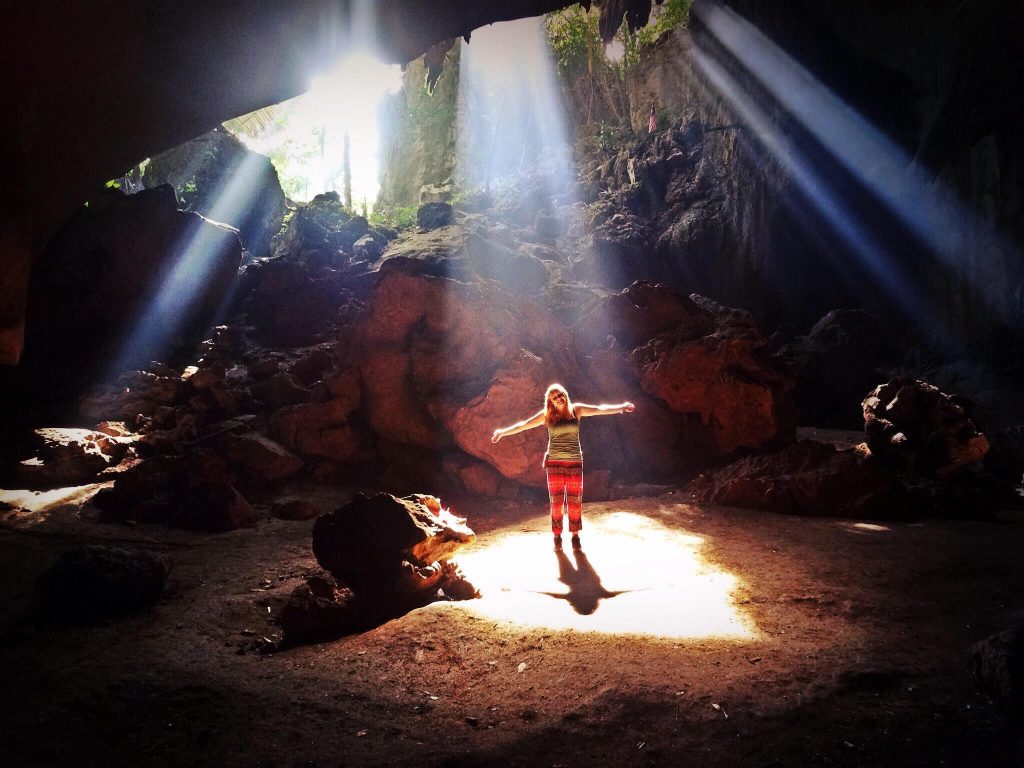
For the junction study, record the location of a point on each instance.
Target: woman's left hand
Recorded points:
(628, 407)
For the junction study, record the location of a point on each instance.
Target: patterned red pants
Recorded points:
(565, 489)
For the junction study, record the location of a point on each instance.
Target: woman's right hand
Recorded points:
(498, 434)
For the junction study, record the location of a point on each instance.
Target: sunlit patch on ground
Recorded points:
(28, 505)
(873, 527)
(633, 576)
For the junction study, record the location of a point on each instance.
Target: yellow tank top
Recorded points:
(564, 441)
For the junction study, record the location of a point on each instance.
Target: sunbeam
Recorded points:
(633, 576)
(510, 107)
(737, 54)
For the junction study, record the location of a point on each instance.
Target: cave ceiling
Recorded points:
(93, 88)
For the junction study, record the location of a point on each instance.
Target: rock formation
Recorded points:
(384, 547)
(216, 176)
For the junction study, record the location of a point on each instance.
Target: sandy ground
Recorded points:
(682, 635)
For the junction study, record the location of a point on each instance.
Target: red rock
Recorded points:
(635, 314)
(914, 427)
(651, 444)
(316, 429)
(481, 479)
(279, 391)
(68, 457)
(294, 509)
(263, 459)
(516, 392)
(344, 386)
(740, 391)
(392, 404)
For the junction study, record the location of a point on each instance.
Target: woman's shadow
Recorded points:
(585, 590)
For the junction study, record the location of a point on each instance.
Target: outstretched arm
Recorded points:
(520, 426)
(603, 410)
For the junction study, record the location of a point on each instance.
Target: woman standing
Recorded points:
(564, 457)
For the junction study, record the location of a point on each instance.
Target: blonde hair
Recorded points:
(551, 414)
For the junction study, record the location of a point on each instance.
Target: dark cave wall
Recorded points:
(946, 83)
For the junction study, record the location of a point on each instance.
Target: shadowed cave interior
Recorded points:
(272, 276)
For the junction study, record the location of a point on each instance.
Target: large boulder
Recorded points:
(434, 215)
(516, 391)
(317, 429)
(98, 581)
(388, 546)
(914, 427)
(217, 176)
(728, 379)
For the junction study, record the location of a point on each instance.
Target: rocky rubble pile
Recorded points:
(922, 456)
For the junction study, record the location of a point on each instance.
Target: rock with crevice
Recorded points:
(383, 545)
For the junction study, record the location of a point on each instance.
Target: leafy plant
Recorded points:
(401, 217)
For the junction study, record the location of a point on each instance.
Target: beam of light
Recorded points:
(817, 188)
(189, 271)
(923, 207)
(511, 112)
(634, 577)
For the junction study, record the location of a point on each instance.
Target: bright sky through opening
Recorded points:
(345, 98)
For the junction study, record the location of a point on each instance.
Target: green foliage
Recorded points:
(575, 38)
(290, 156)
(189, 195)
(401, 217)
(666, 17)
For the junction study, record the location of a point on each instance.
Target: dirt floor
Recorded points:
(683, 635)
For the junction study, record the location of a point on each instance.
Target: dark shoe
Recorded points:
(576, 542)
(558, 542)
